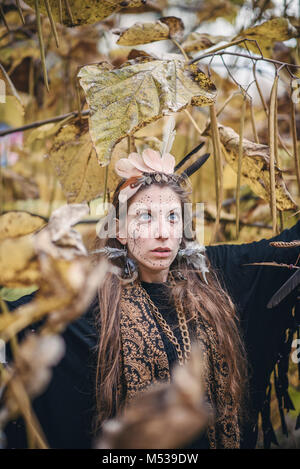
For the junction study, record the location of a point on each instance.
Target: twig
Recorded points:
(272, 145)
(239, 172)
(34, 125)
(4, 19)
(52, 22)
(41, 42)
(295, 143)
(238, 54)
(20, 11)
(218, 167)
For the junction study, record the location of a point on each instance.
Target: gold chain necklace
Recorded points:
(167, 329)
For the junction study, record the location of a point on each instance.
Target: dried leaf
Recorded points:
(17, 223)
(18, 263)
(255, 171)
(267, 33)
(57, 238)
(176, 27)
(142, 33)
(10, 102)
(123, 100)
(76, 165)
(199, 41)
(87, 11)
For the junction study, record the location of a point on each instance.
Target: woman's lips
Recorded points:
(161, 253)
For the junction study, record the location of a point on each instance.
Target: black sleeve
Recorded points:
(66, 408)
(251, 288)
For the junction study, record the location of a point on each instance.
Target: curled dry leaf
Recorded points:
(255, 167)
(123, 100)
(153, 418)
(176, 27)
(57, 238)
(17, 223)
(199, 41)
(168, 27)
(87, 11)
(267, 33)
(76, 165)
(142, 33)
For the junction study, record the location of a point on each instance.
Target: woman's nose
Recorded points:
(161, 229)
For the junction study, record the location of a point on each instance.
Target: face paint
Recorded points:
(154, 228)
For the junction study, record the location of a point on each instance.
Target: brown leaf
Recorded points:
(76, 165)
(255, 168)
(142, 33)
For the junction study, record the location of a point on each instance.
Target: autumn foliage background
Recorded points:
(86, 82)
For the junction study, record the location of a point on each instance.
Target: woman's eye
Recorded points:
(173, 216)
(145, 216)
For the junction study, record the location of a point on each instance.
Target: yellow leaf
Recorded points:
(14, 224)
(75, 163)
(18, 262)
(87, 11)
(255, 168)
(143, 33)
(123, 100)
(267, 33)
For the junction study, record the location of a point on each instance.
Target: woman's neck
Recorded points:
(147, 275)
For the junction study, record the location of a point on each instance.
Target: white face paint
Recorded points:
(154, 231)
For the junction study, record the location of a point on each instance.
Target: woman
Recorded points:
(161, 295)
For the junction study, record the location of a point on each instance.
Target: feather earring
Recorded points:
(130, 268)
(193, 254)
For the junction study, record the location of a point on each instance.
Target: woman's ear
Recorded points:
(122, 240)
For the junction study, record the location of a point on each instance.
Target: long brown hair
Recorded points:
(211, 299)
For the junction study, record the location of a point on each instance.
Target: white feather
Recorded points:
(169, 133)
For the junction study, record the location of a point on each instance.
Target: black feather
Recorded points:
(196, 165)
(191, 153)
(285, 289)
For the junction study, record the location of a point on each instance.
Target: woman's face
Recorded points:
(154, 230)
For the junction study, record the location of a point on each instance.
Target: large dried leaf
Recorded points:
(255, 168)
(267, 33)
(76, 165)
(123, 100)
(16, 223)
(87, 11)
(199, 41)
